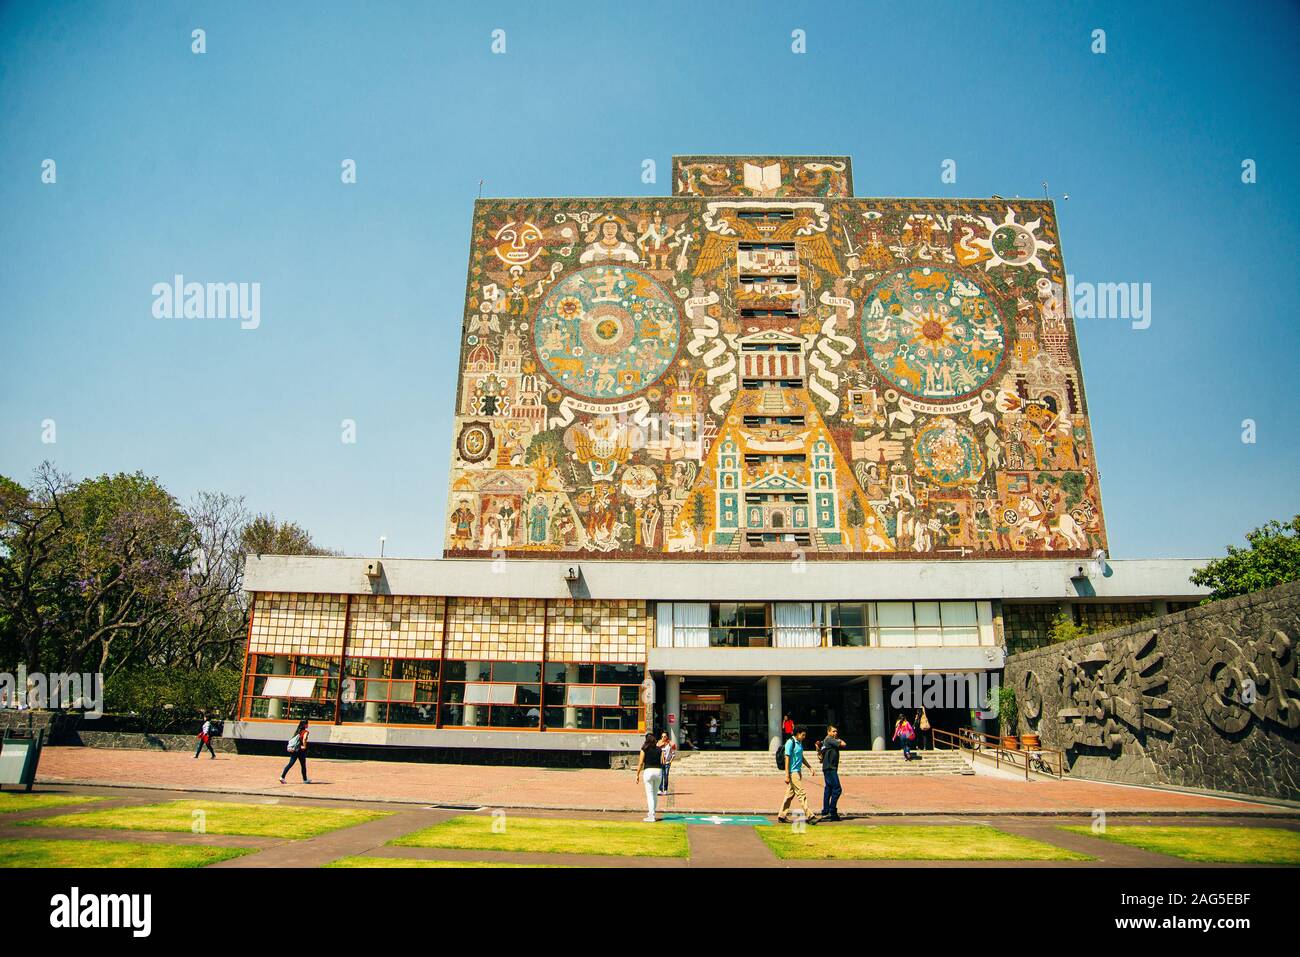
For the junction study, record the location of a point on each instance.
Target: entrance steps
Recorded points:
(852, 763)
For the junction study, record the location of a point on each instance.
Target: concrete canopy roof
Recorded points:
(874, 580)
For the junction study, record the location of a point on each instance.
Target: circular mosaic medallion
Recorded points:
(933, 333)
(474, 444)
(606, 332)
(1013, 244)
(948, 453)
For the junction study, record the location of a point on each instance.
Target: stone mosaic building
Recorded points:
(669, 412)
(763, 363)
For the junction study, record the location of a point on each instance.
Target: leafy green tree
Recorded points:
(112, 574)
(163, 700)
(32, 523)
(126, 551)
(266, 535)
(1272, 558)
(1064, 628)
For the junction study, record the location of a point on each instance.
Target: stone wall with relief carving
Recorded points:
(1206, 698)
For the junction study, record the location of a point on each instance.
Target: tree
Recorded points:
(1064, 628)
(126, 551)
(31, 525)
(1272, 558)
(699, 514)
(112, 574)
(265, 535)
(855, 517)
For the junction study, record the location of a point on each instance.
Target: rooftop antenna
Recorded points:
(382, 540)
(480, 189)
(1048, 195)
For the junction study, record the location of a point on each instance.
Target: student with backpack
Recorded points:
(205, 740)
(298, 751)
(903, 734)
(794, 765)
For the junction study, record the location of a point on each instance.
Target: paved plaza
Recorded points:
(478, 786)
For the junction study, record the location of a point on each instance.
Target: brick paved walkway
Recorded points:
(601, 790)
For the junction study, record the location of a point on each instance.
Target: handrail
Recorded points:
(1039, 759)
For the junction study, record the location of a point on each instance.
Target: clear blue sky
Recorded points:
(225, 167)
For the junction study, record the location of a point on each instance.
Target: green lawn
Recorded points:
(385, 862)
(1208, 845)
(891, 842)
(11, 802)
(35, 852)
(553, 835)
(255, 820)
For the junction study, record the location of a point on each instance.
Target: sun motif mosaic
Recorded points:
(607, 332)
(948, 453)
(933, 333)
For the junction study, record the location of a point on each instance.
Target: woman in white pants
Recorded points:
(648, 770)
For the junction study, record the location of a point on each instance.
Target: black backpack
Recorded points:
(780, 757)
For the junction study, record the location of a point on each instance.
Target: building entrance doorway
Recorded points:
(950, 719)
(723, 714)
(818, 702)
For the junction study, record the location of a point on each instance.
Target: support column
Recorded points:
(876, 711)
(279, 666)
(979, 686)
(773, 712)
(570, 712)
(474, 671)
(374, 669)
(673, 706)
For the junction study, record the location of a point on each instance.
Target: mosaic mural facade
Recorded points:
(762, 363)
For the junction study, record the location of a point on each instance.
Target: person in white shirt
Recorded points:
(205, 740)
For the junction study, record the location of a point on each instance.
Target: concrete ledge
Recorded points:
(1025, 579)
(147, 742)
(386, 736)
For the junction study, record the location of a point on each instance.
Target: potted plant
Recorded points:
(1008, 717)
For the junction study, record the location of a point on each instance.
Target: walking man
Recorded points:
(830, 752)
(794, 764)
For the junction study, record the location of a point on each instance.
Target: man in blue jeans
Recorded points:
(830, 751)
(794, 765)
